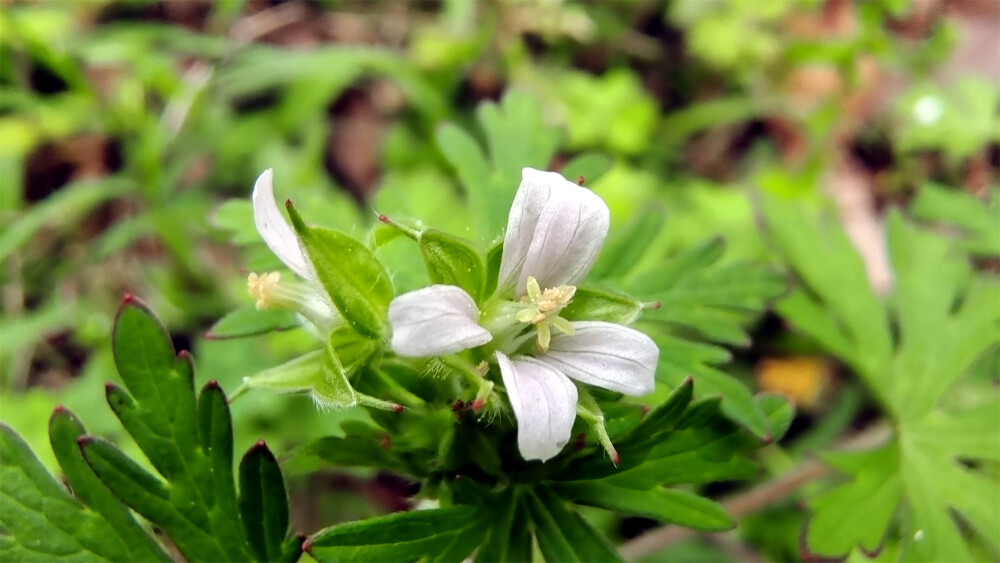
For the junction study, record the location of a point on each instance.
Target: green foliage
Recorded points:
(978, 223)
(189, 442)
(911, 351)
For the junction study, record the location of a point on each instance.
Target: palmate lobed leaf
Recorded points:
(947, 316)
(41, 521)
(189, 443)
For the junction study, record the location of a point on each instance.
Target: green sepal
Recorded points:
(494, 255)
(263, 503)
(444, 534)
(451, 260)
(319, 373)
(250, 321)
(592, 304)
(350, 272)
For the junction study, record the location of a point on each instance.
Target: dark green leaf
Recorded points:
(562, 534)
(249, 321)
(509, 538)
(263, 503)
(64, 432)
(666, 505)
(441, 534)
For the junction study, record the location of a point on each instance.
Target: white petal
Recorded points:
(275, 230)
(554, 231)
(544, 403)
(606, 355)
(435, 320)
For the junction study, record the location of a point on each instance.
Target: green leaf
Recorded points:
(590, 165)
(509, 538)
(562, 534)
(350, 272)
(910, 349)
(858, 512)
(444, 534)
(667, 505)
(189, 443)
(263, 503)
(627, 245)
(64, 432)
(250, 321)
(40, 521)
(594, 304)
(452, 261)
(957, 207)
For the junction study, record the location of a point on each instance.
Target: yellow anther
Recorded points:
(262, 287)
(541, 308)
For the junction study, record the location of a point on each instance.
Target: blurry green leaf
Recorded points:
(858, 512)
(666, 505)
(351, 274)
(627, 245)
(943, 317)
(250, 321)
(589, 165)
(444, 534)
(978, 220)
(61, 210)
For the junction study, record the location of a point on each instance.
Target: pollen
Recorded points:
(262, 287)
(542, 308)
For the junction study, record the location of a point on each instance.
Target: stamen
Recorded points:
(262, 287)
(541, 308)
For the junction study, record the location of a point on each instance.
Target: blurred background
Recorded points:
(131, 133)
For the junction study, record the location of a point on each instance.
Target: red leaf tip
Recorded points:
(307, 545)
(398, 408)
(83, 440)
(58, 410)
(615, 458)
(127, 298)
(260, 444)
(212, 383)
(184, 354)
(288, 203)
(108, 386)
(382, 217)
(477, 405)
(768, 439)
(580, 180)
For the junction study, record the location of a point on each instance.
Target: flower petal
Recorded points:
(606, 355)
(275, 230)
(544, 403)
(554, 231)
(435, 320)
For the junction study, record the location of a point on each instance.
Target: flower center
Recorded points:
(542, 308)
(264, 288)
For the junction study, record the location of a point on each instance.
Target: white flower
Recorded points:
(306, 298)
(554, 233)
